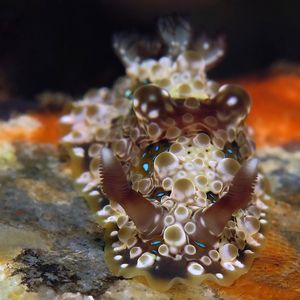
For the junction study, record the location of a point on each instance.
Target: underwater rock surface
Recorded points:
(46, 233)
(51, 249)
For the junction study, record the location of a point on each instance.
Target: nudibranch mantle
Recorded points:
(166, 161)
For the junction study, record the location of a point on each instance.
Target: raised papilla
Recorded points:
(167, 164)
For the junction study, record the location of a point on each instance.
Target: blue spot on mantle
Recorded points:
(146, 167)
(200, 244)
(155, 243)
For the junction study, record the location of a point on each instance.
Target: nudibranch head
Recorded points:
(181, 197)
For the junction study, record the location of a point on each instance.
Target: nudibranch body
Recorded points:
(180, 197)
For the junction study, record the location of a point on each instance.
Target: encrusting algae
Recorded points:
(181, 197)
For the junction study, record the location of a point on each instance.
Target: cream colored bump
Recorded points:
(167, 184)
(250, 225)
(219, 276)
(190, 228)
(174, 235)
(189, 249)
(231, 134)
(211, 121)
(189, 166)
(157, 70)
(94, 166)
(202, 155)
(78, 110)
(185, 76)
(228, 252)
(184, 89)
(187, 118)
(241, 139)
(228, 266)
(154, 130)
(84, 178)
(114, 233)
(228, 166)
(199, 163)
(105, 211)
(195, 269)
(190, 60)
(183, 140)
(238, 264)
(206, 260)
(94, 150)
(67, 119)
(131, 242)
(123, 266)
(153, 114)
(146, 260)
(101, 134)
(245, 151)
(145, 185)
(91, 111)
(125, 233)
(223, 116)
(163, 250)
(169, 108)
(170, 122)
(94, 194)
(165, 163)
(168, 204)
(169, 220)
(135, 252)
(176, 148)
(79, 152)
(183, 188)
(175, 78)
(201, 181)
(122, 221)
(218, 154)
(198, 84)
(135, 133)
(218, 142)
(202, 140)
(191, 103)
(164, 83)
(181, 213)
(241, 234)
(173, 132)
(214, 255)
(216, 186)
(232, 101)
(118, 257)
(202, 195)
(180, 174)
(136, 102)
(116, 244)
(210, 175)
(174, 251)
(255, 211)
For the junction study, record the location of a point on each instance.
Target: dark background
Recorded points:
(65, 46)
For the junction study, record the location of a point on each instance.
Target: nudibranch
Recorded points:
(165, 159)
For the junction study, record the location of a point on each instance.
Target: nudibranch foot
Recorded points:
(168, 165)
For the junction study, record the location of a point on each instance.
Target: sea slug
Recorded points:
(167, 163)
